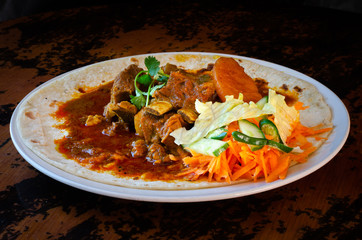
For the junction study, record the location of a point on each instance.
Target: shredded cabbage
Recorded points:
(216, 115)
(284, 117)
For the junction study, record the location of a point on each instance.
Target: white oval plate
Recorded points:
(324, 154)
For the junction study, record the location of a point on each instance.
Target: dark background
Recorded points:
(10, 9)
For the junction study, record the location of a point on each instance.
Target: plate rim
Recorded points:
(192, 195)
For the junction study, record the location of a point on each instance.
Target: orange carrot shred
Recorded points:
(239, 162)
(245, 169)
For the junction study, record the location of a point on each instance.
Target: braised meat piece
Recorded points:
(172, 107)
(115, 128)
(123, 110)
(158, 108)
(156, 132)
(149, 126)
(139, 148)
(168, 68)
(183, 88)
(157, 154)
(188, 115)
(123, 87)
(172, 123)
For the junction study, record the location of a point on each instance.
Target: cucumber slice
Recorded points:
(262, 102)
(251, 130)
(218, 134)
(210, 147)
(269, 128)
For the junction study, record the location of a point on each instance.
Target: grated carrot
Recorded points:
(257, 173)
(239, 162)
(280, 170)
(243, 170)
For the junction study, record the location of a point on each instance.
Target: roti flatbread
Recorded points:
(36, 124)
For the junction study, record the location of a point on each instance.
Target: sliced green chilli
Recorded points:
(252, 130)
(279, 146)
(269, 128)
(241, 137)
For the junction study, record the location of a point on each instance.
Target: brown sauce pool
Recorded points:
(96, 151)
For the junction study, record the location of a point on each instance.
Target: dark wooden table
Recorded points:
(322, 43)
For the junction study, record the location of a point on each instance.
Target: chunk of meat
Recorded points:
(149, 126)
(158, 108)
(125, 111)
(230, 79)
(155, 122)
(157, 154)
(172, 123)
(156, 130)
(188, 115)
(183, 88)
(168, 68)
(137, 121)
(123, 85)
(139, 148)
(115, 128)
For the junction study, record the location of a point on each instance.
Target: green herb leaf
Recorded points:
(153, 65)
(156, 87)
(139, 101)
(145, 79)
(148, 78)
